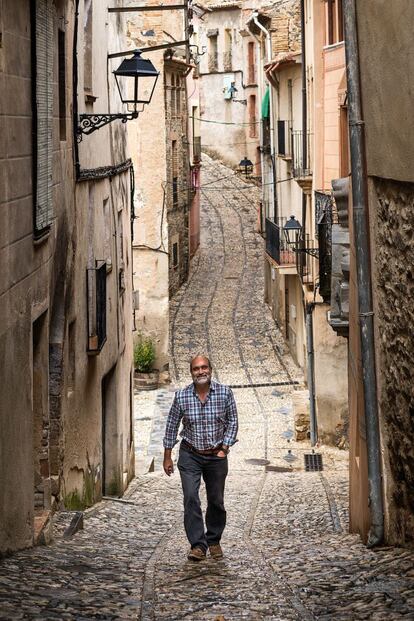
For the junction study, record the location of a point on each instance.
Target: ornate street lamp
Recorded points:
(292, 231)
(246, 167)
(136, 78)
(293, 236)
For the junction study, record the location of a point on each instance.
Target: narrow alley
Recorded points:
(288, 554)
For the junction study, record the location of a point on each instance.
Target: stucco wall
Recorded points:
(51, 405)
(387, 62)
(223, 128)
(331, 381)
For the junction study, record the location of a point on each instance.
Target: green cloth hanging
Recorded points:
(266, 104)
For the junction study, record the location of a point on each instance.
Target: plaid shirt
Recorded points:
(205, 425)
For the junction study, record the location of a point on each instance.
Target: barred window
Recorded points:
(43, 52)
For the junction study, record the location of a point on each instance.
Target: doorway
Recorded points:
(40, 413)
(111, 464)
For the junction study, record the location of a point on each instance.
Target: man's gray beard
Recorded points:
(202, 380)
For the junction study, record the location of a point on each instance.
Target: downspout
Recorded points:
(261, 133)
(362, 251)
(272, 146)
(311, 373)
(304, 108)
(75, 91)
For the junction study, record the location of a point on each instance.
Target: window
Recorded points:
(87, 47)
(42, 85)
(178, 95)
(173, 96)
(96, 307)
(251, 63)
(174, 168)
(71, 357)
(282, 139)
(334, 22)
(212, 54)
(62, 84)
(227, 59)
(252, 116)
(175, 254)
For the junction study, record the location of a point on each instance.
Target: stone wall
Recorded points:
(177, 167)
(285, 27)
(394, 288)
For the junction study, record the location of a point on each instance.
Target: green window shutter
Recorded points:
(43, 102)
(266, 104)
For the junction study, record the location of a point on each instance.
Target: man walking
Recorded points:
(208, 413)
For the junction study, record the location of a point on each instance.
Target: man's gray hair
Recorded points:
(200, 356)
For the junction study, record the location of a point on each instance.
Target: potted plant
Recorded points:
(146, 378)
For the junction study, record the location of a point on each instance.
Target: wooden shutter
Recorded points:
(43, 113)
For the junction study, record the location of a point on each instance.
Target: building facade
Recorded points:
(298, 134)
(66, 335)
(229, 82)
(167, 228)
(381, 429)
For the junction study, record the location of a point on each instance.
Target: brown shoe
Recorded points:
(215, 551)
(196, 554)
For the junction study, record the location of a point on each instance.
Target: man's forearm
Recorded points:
(167, 453)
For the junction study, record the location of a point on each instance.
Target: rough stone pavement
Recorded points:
(288, 554)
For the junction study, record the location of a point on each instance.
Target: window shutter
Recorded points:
(44, 52)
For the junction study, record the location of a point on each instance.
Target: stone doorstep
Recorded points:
(42, 527)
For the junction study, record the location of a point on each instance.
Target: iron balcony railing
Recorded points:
(276, 244)
(325, 217)
(96, 307)
(307, 263)
(302, 163)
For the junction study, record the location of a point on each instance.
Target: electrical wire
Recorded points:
(221, 122)
(160, 247)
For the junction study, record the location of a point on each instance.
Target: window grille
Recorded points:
(96, 307)
(43, 52)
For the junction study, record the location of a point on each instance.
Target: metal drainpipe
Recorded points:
(304, 108)
(261, 95)
(311, 373)
(362, 251)
(272, 145)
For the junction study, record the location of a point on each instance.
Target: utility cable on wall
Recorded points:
(160, 247)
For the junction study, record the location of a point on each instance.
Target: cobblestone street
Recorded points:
(288, 554)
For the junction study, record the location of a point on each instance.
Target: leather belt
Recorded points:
(191, 448)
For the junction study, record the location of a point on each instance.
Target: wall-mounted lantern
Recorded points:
(136, 78)
(246, 167)
(293, 236)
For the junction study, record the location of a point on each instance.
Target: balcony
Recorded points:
(276, 245)
(325, 217)
(302, 166)
(96, 307)
(307, 263)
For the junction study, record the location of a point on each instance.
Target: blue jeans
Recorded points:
(214, 471)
